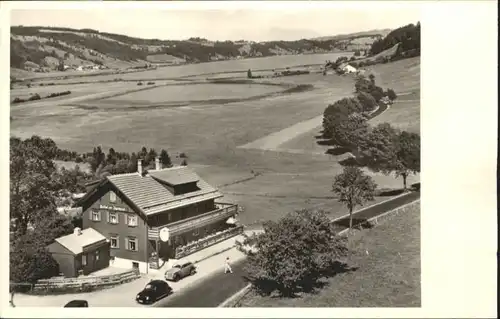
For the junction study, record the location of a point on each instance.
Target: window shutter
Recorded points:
(91, 212)
(109, 217)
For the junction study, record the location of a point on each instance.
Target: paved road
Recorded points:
(210, 292)
(362, 215)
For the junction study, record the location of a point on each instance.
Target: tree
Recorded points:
(391, 94)
(389, 150)
(30, 261)
(407, 155)
(111, 158)
(150, 157)
(349, 132)
(165, 159)
(50, 228)
(32, 183)
(367, 101)
(353, 188)
(294, 252)
(372, 78)
(377, 150)
(132, 164)
(338, 112)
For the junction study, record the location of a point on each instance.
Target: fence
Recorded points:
(207, 241)
(72, 285)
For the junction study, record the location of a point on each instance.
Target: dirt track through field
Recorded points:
(273, 140)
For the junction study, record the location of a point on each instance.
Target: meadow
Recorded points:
(194, 91)
(385, 269)
(212, 134)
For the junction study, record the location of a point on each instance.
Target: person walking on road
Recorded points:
(227, 267)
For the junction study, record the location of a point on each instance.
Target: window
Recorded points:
(96, 255)
(84, 260)
(132, 220)
(114, 241)
(112, 217)
(95, 215)
(132, 243)
(112, 197)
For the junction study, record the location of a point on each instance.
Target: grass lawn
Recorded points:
(387, 276)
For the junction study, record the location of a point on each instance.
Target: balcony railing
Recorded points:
(207, 241)
(223, 211)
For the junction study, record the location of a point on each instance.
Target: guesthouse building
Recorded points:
(154, 216)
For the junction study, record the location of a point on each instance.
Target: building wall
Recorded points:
(104, 205)
(127, 264)
(94, 263)
(64, 258)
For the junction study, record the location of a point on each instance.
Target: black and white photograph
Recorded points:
(220, 157)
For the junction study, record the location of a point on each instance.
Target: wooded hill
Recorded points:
(48, 47)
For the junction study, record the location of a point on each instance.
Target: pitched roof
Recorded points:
(148, 193)
(77, 243)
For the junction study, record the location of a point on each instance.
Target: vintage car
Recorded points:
(180, 270)
(154, 291)
(77, 303)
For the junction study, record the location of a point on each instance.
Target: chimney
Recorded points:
(157, 163)
(139, 167)
(77, 231)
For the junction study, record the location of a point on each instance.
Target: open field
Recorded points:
(199, 91)
(76, 89)
(266, 63)
(211, 134)
(386, 262)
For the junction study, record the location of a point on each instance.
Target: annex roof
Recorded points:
(77, 243)
(175, 175)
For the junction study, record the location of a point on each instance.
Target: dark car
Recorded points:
(77, 303)
(154, 291)
(180, 270)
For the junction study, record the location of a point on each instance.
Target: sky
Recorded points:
(230, 23)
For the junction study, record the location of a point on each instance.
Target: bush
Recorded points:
(391, 94)
(34, 97)
(139, 83)
(18, 100)
(58, 94)
(151, 83)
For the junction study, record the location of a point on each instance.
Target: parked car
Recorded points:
(180, 270)
(77, 303)
(154, 291)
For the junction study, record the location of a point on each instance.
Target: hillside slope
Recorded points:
(45, 48)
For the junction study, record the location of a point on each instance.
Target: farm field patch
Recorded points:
(202, 91)
(387, 258)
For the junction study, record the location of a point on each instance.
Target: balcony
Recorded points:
(223, 211)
